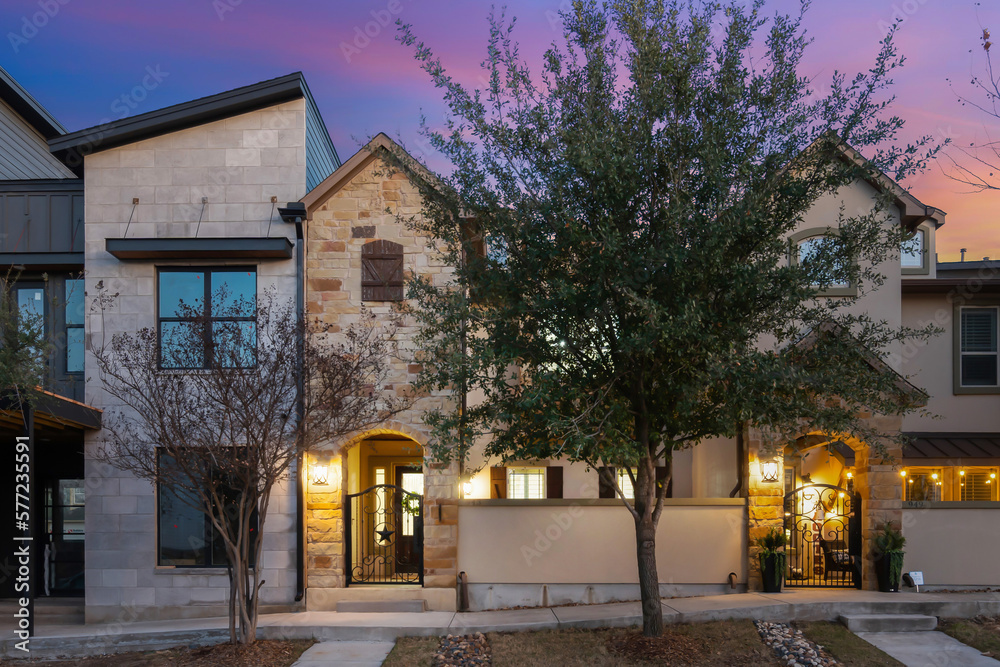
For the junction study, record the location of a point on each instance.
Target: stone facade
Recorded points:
(238, 165)
(357, 209)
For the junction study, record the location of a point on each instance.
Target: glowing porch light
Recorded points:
(769, 471)
(467, 488)
(902, 473)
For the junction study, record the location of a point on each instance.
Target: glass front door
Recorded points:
(64, 527)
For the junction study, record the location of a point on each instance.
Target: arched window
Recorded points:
(821, 242)
(382, 271)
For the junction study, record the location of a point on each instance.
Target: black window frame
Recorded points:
(208, 271)
(67, 326)
(209, 534)
(960, 387)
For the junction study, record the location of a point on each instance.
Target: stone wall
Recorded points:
(238, 164)
(363, 209)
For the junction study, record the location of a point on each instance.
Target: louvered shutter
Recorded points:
(382, 271)
(554, 482)
(605, 488)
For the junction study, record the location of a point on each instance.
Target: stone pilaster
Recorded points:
(765, 506)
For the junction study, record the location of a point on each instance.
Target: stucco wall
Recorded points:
(566, 543)
(238, 164)
(953, 547)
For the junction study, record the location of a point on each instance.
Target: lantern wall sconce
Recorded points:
(320, 473)
(467, 488)
(769, 471)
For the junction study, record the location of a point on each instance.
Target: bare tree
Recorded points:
(977, 165)
(215, 411)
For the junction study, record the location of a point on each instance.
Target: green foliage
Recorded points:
(889, 540)
(24, 347)
(635, 197)
(770, 543)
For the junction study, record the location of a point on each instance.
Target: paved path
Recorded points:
(345, 654)
(927, 649)
(803, 604)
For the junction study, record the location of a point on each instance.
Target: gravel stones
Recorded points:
(463, 650)
(792, 647)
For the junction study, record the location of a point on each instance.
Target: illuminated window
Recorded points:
(977, 484)
(526, 483)
(921, 484)
(625, 483)
(951, 484)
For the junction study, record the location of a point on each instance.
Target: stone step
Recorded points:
(380, 606)
(889, 622)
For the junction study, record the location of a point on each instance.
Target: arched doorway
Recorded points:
(822, 514)
(384, 511)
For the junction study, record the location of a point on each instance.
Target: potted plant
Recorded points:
(888, 558)
(772, 561)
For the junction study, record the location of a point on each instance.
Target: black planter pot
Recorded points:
(888, 570)
(772, 571)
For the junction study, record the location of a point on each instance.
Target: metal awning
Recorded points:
(952, 449)
(204, 248)
(52, 412)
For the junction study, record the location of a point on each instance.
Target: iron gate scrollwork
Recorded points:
(823, 527)
(385, 536)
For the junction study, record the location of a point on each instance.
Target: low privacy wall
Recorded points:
(953, 544)
(698, 542)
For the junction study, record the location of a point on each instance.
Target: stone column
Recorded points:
(765, 506)
(325, 527)
(878, 483)
(440, 524)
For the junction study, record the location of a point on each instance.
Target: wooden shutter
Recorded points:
(662, 472)
(381, 271)
(605, 488)
(554, 482)
(498, 482)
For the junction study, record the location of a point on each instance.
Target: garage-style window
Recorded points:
(207, 317)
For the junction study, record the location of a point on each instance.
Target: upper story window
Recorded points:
(977, 358)
(820, 244)
(811, 248)
(207, 317)
(74, 312)
(382, 271)
(913, 253)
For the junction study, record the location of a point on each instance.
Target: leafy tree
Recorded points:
(221, 438)
(635, 197)
(24, 348)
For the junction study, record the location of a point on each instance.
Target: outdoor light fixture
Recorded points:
(769, 471)
(961, 472)
(902, 473)
(850, 475)
(320, 474)
(467, 489)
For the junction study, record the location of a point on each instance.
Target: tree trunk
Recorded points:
(649, 581)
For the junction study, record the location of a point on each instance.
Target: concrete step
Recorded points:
(889, 622)
(379, 606)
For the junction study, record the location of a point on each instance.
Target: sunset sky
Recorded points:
(82, 56)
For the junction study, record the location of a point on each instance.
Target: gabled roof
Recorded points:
(188, 114)
(355, 164)
(28, 107)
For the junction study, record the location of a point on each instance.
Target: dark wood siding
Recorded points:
(48, 221)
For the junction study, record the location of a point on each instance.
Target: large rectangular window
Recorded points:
(526, 483)
(978, 357)
(186, 536)
(951, 484)
(207, 317)
(75, 307)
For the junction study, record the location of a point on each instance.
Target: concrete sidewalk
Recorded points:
(805, 604)
(927, 649)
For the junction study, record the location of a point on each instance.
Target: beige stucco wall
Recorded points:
(953, 547)
(558, 543)
(238, 164)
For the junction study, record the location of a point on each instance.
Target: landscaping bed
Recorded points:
(981, 633)
(262, 653)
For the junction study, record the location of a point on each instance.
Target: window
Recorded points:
(207, 317)
(525, 483)
(625, 483)
(978, 347)
(74, 303)
(186, 536)
(951, 484)
(382, 271)
(815, 247)
(912, 253)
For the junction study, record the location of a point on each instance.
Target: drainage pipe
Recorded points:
(741, 461)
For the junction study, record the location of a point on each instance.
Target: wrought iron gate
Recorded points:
(385, 536)
(823, 527)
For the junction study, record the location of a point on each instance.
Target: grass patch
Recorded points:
(412, 652)
(262, 653)
(982, 633)
(719, 643)
(845, 646)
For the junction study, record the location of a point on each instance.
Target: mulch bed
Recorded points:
(262, 653)
(668, 649)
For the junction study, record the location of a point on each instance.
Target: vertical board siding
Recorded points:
(41, 222)
(321, 156)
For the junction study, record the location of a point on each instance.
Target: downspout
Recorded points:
(741, 461)
(295, 213)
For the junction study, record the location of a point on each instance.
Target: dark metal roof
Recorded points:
(200, 248)
(988, 264)
(182, 116)
(945, 285)
(28, 107)
(952, 447)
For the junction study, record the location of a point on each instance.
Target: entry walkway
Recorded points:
(805, 604)
(928, 649)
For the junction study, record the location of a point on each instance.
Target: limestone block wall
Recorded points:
(363, 209)
(238, 165)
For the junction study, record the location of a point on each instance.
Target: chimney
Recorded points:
(986, 259)
(963, 251)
